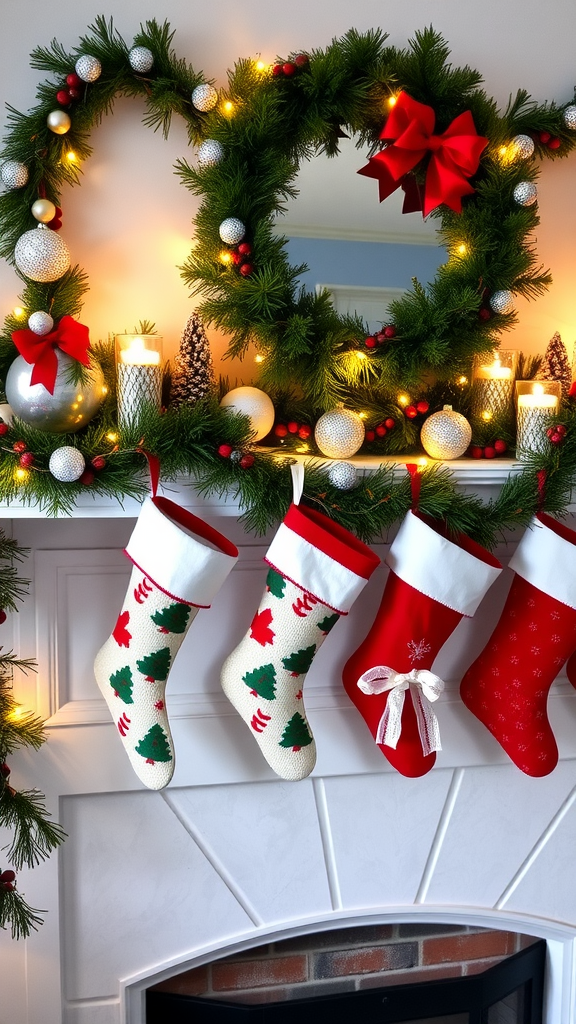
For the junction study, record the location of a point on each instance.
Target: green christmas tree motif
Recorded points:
(262, 682)
(155, 666)
(275, 583)
(173, 619)
(154, 746)
(299, 662)
(328, 623)
(122, 683)
(296, 734)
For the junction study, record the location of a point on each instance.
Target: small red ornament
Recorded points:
(246, 461)
(476, 452)
(370, 435)
(98, 462)
(26, 460)
(555, 438)
(4, 428)
(63, 97)
(422, 407)
(292, 427)
(277, 69)
(19, 446)
(561, 429)
(484, 314)
(301, 60)
(554, 143)
(87, 478)
(500, 446)
(288, 68)
(225, 450)
(55, 224)
(489, 452)
(381, 430)
(304, 432)
(544, 137)
(389, 423)
(380, 338)
(244, 248)
(74, 80)
(411, 411)
(237, 258)
(280, 430)
(4, 770)
(246, 269)
(2, 616)
(75, 94)
(389, 331)
(8, 876)
(370, 341)
(8, 886)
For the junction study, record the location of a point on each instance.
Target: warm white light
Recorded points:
(403, 400)
(20, 475)
(18, 312)
(487, 415)
(111, 436)
(361, 355)
(422, 462)
(260, 65)
(228, 107)
(462, 380)
(392, 101)
(259, 358)
(138, 355)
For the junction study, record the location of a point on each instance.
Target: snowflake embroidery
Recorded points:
(514, 660)
(556, 639)
(533, 626)
(522, 746)
(495, 671)
(418, 649)
(535, 651)
(513, 638)
(537, 672)
(531, 602)
(554, 615)
(540, 736)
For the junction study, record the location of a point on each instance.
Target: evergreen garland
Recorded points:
(267, 122)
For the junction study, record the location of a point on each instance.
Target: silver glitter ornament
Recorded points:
(71, 406)
(522, 147)
(204, 97)
(43, 210)
(210, 153)
(339, 433)
(40, 322)
(67, 464)
(59, 122)
(141, 59)
(41, 254)
(13, 174)
(446, 434)
(569, 116)
(88, 68)
(502, 301)
(232, 230)
(525, 193)
(343, 476)
(236, 455)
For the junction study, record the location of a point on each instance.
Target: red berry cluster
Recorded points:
(556, 434)
(241, 258)
(489, 451)
(412, 411)
(226, 451)
(97, 463)
(7, 881)
(380, 337)
(72, 90)
(381, 430)
(301, 430)
(549, 140)
(26, 459)
(290, 67)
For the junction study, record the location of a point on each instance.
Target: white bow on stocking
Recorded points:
(424, 686)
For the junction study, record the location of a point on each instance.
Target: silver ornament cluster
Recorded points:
(88, 68)
(525, 193)
(41, 254)
(40, 322)
(204, 97)
(569, 116)
(69, 408)
(67, 464)
(343, 476)
(523, 147)
(141, 59)
(446, 434)
(232, 230)
(502, 301)
(13, 174)
(211, 152)
(59, 122)
(339, 433)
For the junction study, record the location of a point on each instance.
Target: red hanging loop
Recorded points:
(154, 468)
(541, 478)
(415, 482)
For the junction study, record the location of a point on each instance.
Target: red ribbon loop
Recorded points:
(454, 156)
(69, 336)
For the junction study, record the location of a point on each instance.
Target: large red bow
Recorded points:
(454, 156)
(69, 335)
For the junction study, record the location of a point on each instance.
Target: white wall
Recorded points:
(129, 224)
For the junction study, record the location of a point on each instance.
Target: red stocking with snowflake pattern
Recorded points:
(507, 686)
(179, 565)
(433, 582)
(317, 569)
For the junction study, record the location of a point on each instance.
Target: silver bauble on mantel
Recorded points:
(71, 406)
(41, 254)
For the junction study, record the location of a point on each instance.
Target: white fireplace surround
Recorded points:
(228, 857)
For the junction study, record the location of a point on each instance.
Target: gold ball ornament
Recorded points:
(41, 254)
(59, 122)
(255, 404)
(43, 210)
(68, 409)
(339, 433)
(446, 435)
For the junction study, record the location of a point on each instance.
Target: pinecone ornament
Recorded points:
(556, 365)
(193, 377)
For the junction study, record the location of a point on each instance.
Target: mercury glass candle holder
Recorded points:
(138, 376)
(537, 403)
(493, 384)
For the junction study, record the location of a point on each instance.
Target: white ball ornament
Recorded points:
(522, 147)
(204, 97)
(13, 174)
(232, 230)
(41, 254)
(40, 322)
(525, 193)
(43, 210)
(88, 68)
(210, 153)
(67, 464)
(339, 433)
(502, 301)
(569, 117)
(141, 59)
(59, 122)
(255, 404)
(343, 476)
(446, 434)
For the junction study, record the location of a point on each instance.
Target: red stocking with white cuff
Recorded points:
(433, 582)
(507, 687)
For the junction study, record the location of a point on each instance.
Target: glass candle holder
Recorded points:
(537, 403)
(138, 376)
(493, 384)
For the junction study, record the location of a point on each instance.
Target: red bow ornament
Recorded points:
(454, 156)
(69, 336)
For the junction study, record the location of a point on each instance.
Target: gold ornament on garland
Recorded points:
(446, 434)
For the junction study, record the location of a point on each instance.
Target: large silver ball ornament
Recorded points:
(13, 174)
(502, 301)
(211, 152)
(41, 254)
(204, 97)
(43, 210)
(446, 434)
(255, 404)
(525, 193)
(343, 476)
(40, 322)
(71, 406)
(59, 122)
(522, 147)
(88, 68)
(141, 59)
(339, 433)
(67, 464)
(569, 117)
(232, 230)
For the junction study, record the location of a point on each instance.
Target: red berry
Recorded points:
(381, 430)
(225, 450)
(245, 248)
(380, 338)
(390, 331)
(561, 429)
(8, 886)
(63, 97)
(280, 430)
(98, 462)
(8, 876)
(476, 452)
(489, 452)
(74, 93)
(19, 446)
(246, 461)
(410, 411)
(389, 423)
(246, 269)
(550, 431)
(74, 80)
(556, 438)
(237, 258)
(4, 770)
(370, 341)
(544, 137)
(288, 68)
(4, 428)
(26, 460)
(58, 212)
(55, 224)
(484, 314)
(422, 407)
(292, 427)
(277, 69)
(301, 60)
(304, 432)
(370, 435)
(554, 144)
(87, 478)
(2, 616)
(500, 446)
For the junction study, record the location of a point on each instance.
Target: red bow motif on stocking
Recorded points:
(454, 157)
(69, 335)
